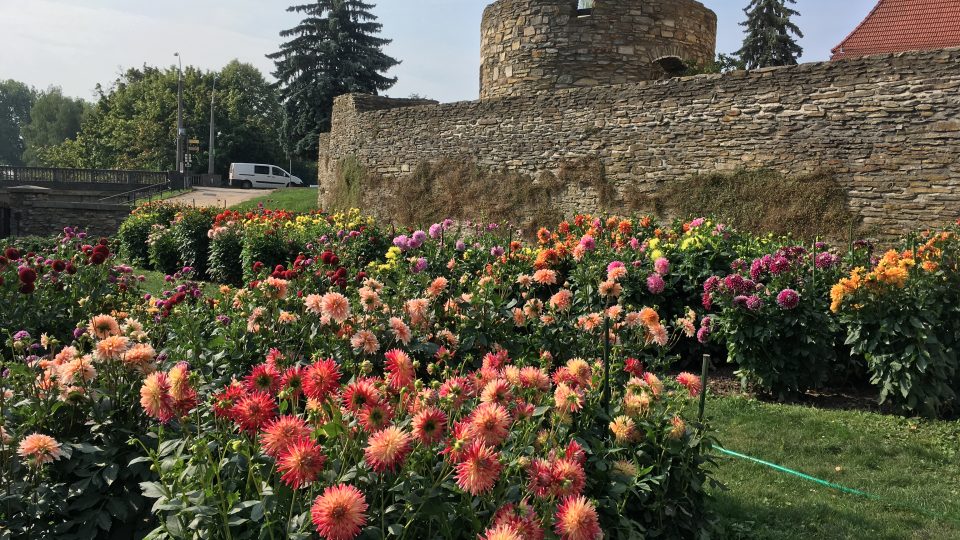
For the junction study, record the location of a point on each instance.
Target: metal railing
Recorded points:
(19, 175)
(134, 195)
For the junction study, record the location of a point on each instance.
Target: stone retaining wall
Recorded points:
(37, 211)
(888, 126)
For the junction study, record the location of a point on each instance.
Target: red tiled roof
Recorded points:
(904, 25)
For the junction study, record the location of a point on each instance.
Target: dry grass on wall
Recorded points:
(462, 189)
(761, 201)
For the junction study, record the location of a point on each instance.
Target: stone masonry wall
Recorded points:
(531, 46)
(40, 212)
(888, 126)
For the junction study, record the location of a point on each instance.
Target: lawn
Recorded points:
(155, 282)
(292, 199)
(912, 466)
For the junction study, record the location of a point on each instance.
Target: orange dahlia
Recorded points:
(387, 449)
(103, 326)
(429, 425)
(280, 433)
(375, 416)
(569, 476)
(576, 519)
(400, 330)
(504, 531)
(490, 422)
(399, 368)
(624, 429)
(112, 347)
(321, 379)
(691, 382)
(479, 470)
(359, 394)
(254, 410)
(263, 378)
(339, 513)
(39, 449)
(155, 397)
(301, 462)
(336, 306)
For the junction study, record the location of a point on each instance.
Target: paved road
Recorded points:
(209, 196)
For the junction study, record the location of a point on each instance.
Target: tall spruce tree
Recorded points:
(768, 41)
(333, 51)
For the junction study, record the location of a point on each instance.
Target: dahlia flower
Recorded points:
(576, 519)
(321, 379)
(399, 368)
(479, 469)
(278, 434)
(301, 462)
(387, 449)
(155, 397)
(39, 449)
(339, 513)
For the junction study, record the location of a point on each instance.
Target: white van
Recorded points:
(258, 175)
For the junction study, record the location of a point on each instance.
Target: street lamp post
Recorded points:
(180, 130)
(213, 135)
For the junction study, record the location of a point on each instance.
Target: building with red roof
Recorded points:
(904, 25)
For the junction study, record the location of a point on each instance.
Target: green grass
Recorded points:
(912, 466)
(291, 199)
(155, 283)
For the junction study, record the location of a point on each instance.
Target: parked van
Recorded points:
(258, 175)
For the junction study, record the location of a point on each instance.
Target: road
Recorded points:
(220, 197)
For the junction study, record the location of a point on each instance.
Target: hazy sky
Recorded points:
(77, 43)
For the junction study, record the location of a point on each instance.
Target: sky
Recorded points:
(76, 44)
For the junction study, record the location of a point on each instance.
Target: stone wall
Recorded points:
(36, 211)
(887, 126)
(531, 46)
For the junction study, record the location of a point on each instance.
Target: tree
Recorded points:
(16, 99)
(768, 41)
(54, 118)
(333, 51)
(134, 123)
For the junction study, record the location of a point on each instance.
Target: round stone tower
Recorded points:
(535, 46)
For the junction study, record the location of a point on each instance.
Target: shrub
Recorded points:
(50, 290)
(226, 255)
(904, 317)
(80, 412)
(263, 244)
(774, 318)
(135, 231)
(163, 250)
(189, 231)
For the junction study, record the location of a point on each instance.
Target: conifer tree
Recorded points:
(768, 41)
(334, 50)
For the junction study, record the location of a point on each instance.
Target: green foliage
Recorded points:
(133, 124)
(135, 231)
(226, 256)
(54, 119)
(768, 41)
(333, 51)
(163, 250)
(16, 100)
(904, 318)
(784, 349)
(189, 230)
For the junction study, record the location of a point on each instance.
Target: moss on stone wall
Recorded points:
(351, 179)
(763, 201)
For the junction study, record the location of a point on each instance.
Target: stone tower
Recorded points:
(536, 46)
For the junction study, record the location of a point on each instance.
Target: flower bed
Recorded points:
(451, 382)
